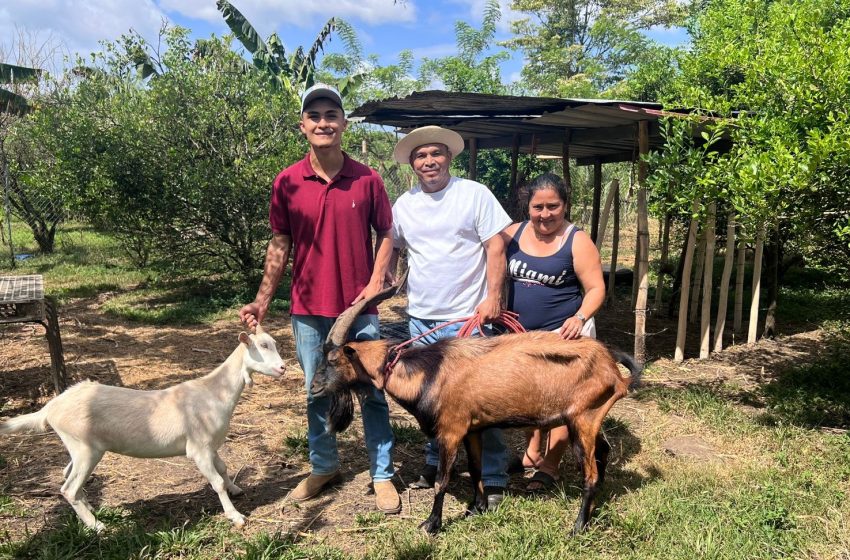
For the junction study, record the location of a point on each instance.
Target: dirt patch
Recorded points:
(117, 352)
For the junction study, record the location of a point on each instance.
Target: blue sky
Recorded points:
(384, 27)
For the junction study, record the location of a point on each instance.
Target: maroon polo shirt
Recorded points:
(331, 229)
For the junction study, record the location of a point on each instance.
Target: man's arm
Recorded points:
(491, 307)
(277, 256)
(383, 254)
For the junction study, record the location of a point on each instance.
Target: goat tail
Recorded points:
(35, 423)
(632, 365)
(340, 412)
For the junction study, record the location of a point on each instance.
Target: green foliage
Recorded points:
(580, 48)
(784, 64)
(178, 168)
(470, 70)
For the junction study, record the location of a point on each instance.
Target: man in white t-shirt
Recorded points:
(450, 227)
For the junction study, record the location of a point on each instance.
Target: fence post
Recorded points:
(8, 210)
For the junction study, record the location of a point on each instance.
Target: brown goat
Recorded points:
(457, 387)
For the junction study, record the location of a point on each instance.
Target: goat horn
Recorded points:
(339, 331)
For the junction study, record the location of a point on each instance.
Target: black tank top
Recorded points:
(543, 290)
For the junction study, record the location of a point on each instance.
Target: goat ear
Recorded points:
(244, 338)
(349, 351)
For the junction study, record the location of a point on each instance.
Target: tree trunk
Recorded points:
(754, 304)
(643, 246)
(697, 283)
(682, 327)
(739, 286)
(728, 263)
(773, 251)
(603, 219)
(665, 250)
(707, 279)
(615, 244)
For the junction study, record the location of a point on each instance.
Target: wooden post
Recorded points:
(514, 198)
(754, 303)
(697, 283)
(364, 153)
(728, 262)
(565, 163)
(705, 319)
(597, 197)
(473, 159)
(643, 246)
(682, 328)
(665, 255)
(603, 219)
(615, 243)
(739, 286)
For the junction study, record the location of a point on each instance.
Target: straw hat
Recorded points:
(427, 135)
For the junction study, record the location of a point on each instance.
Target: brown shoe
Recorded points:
(386, 497)
(313, 485)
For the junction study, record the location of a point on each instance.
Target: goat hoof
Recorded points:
(431, 526)
(98, 527)
(235, 491)
(238, 519)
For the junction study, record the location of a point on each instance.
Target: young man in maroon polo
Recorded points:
(323, 211)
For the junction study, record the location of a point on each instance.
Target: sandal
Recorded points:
(516, 465)
(540, 483)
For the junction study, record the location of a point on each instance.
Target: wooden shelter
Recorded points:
(588, 131)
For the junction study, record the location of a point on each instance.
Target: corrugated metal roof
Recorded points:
(601, 129)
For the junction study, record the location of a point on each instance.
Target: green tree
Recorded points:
(580, 48)
(178, 165)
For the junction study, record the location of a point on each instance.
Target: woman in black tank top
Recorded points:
(550, 264)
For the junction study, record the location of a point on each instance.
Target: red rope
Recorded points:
(508, 319)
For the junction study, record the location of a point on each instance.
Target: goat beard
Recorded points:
(340, 412)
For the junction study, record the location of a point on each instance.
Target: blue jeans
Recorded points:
(494, 452)
(310, 332)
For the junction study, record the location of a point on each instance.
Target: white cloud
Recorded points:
(272, 14)
(434, 51)
(80, 24)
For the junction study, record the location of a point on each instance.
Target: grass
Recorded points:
(782, 489)
(88, 263)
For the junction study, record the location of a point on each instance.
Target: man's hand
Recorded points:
(488, 310)
(370, 290)
(252, 314)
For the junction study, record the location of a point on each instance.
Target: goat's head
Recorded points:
(261, 356)
(336, 373)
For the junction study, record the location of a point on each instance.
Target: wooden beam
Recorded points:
(597, 198)
(514, 188)
(642, 246)
(565, 164)
(473, 159)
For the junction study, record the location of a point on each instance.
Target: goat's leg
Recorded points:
(67, 470)
(472, 443)
(448, 454)
(204, 457)
(586, 440)
(83, 461)
(232, 489)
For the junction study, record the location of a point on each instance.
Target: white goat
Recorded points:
(191, 419)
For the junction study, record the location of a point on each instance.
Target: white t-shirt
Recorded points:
(444, 234)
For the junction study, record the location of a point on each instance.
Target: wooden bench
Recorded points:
(22, 301)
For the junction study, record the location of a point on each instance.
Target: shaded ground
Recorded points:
(266, 442)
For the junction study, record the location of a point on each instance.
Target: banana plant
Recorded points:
(11, 102)
(292, 73)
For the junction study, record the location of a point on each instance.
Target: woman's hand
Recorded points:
(571, 329)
